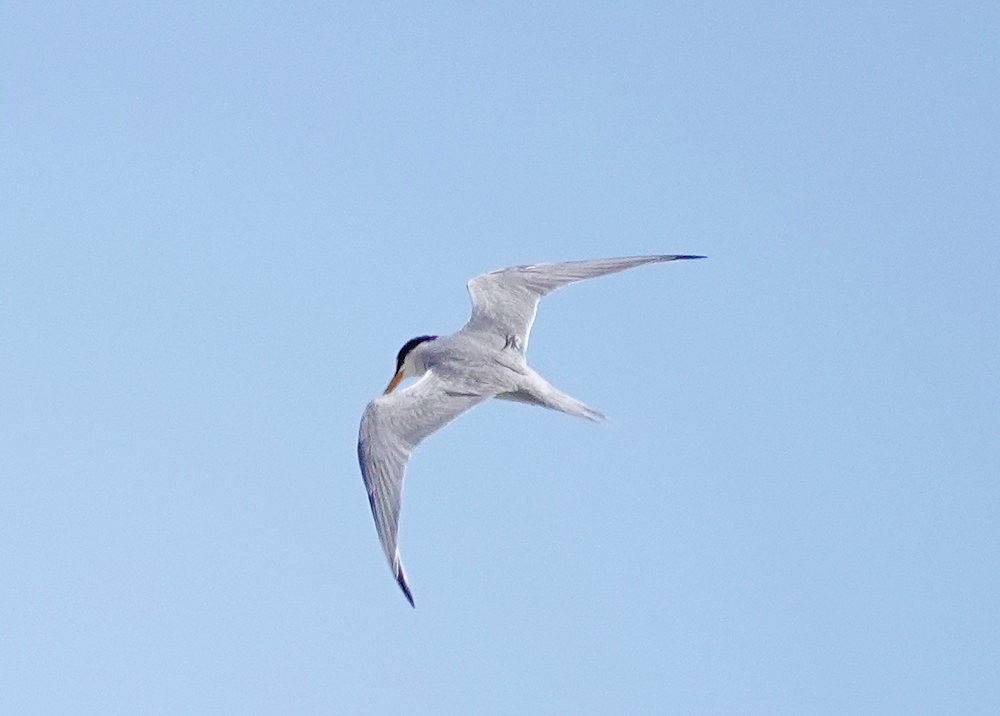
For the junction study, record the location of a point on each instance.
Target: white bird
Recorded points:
(484, 359)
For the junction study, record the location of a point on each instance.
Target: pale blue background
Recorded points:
(220, 222)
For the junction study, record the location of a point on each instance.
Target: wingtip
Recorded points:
(686, 256)
(401, 581)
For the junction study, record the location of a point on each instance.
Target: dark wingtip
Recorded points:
(678, 258)
(401, 580)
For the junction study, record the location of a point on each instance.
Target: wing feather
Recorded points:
(504, 302)
(391, 426)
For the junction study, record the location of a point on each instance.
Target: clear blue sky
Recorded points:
(220, 222)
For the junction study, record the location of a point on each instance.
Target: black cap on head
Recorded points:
(409, 346)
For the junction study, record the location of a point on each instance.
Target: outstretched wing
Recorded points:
(504, 302)
(392, 425)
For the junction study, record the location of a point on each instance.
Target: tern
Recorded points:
(484, 359)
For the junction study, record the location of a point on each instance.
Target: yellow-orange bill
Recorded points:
(394, 382)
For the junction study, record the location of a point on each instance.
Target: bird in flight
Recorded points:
(484, 359)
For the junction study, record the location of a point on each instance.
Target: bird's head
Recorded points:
(410, 361)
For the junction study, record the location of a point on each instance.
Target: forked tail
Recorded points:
(538, 391)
